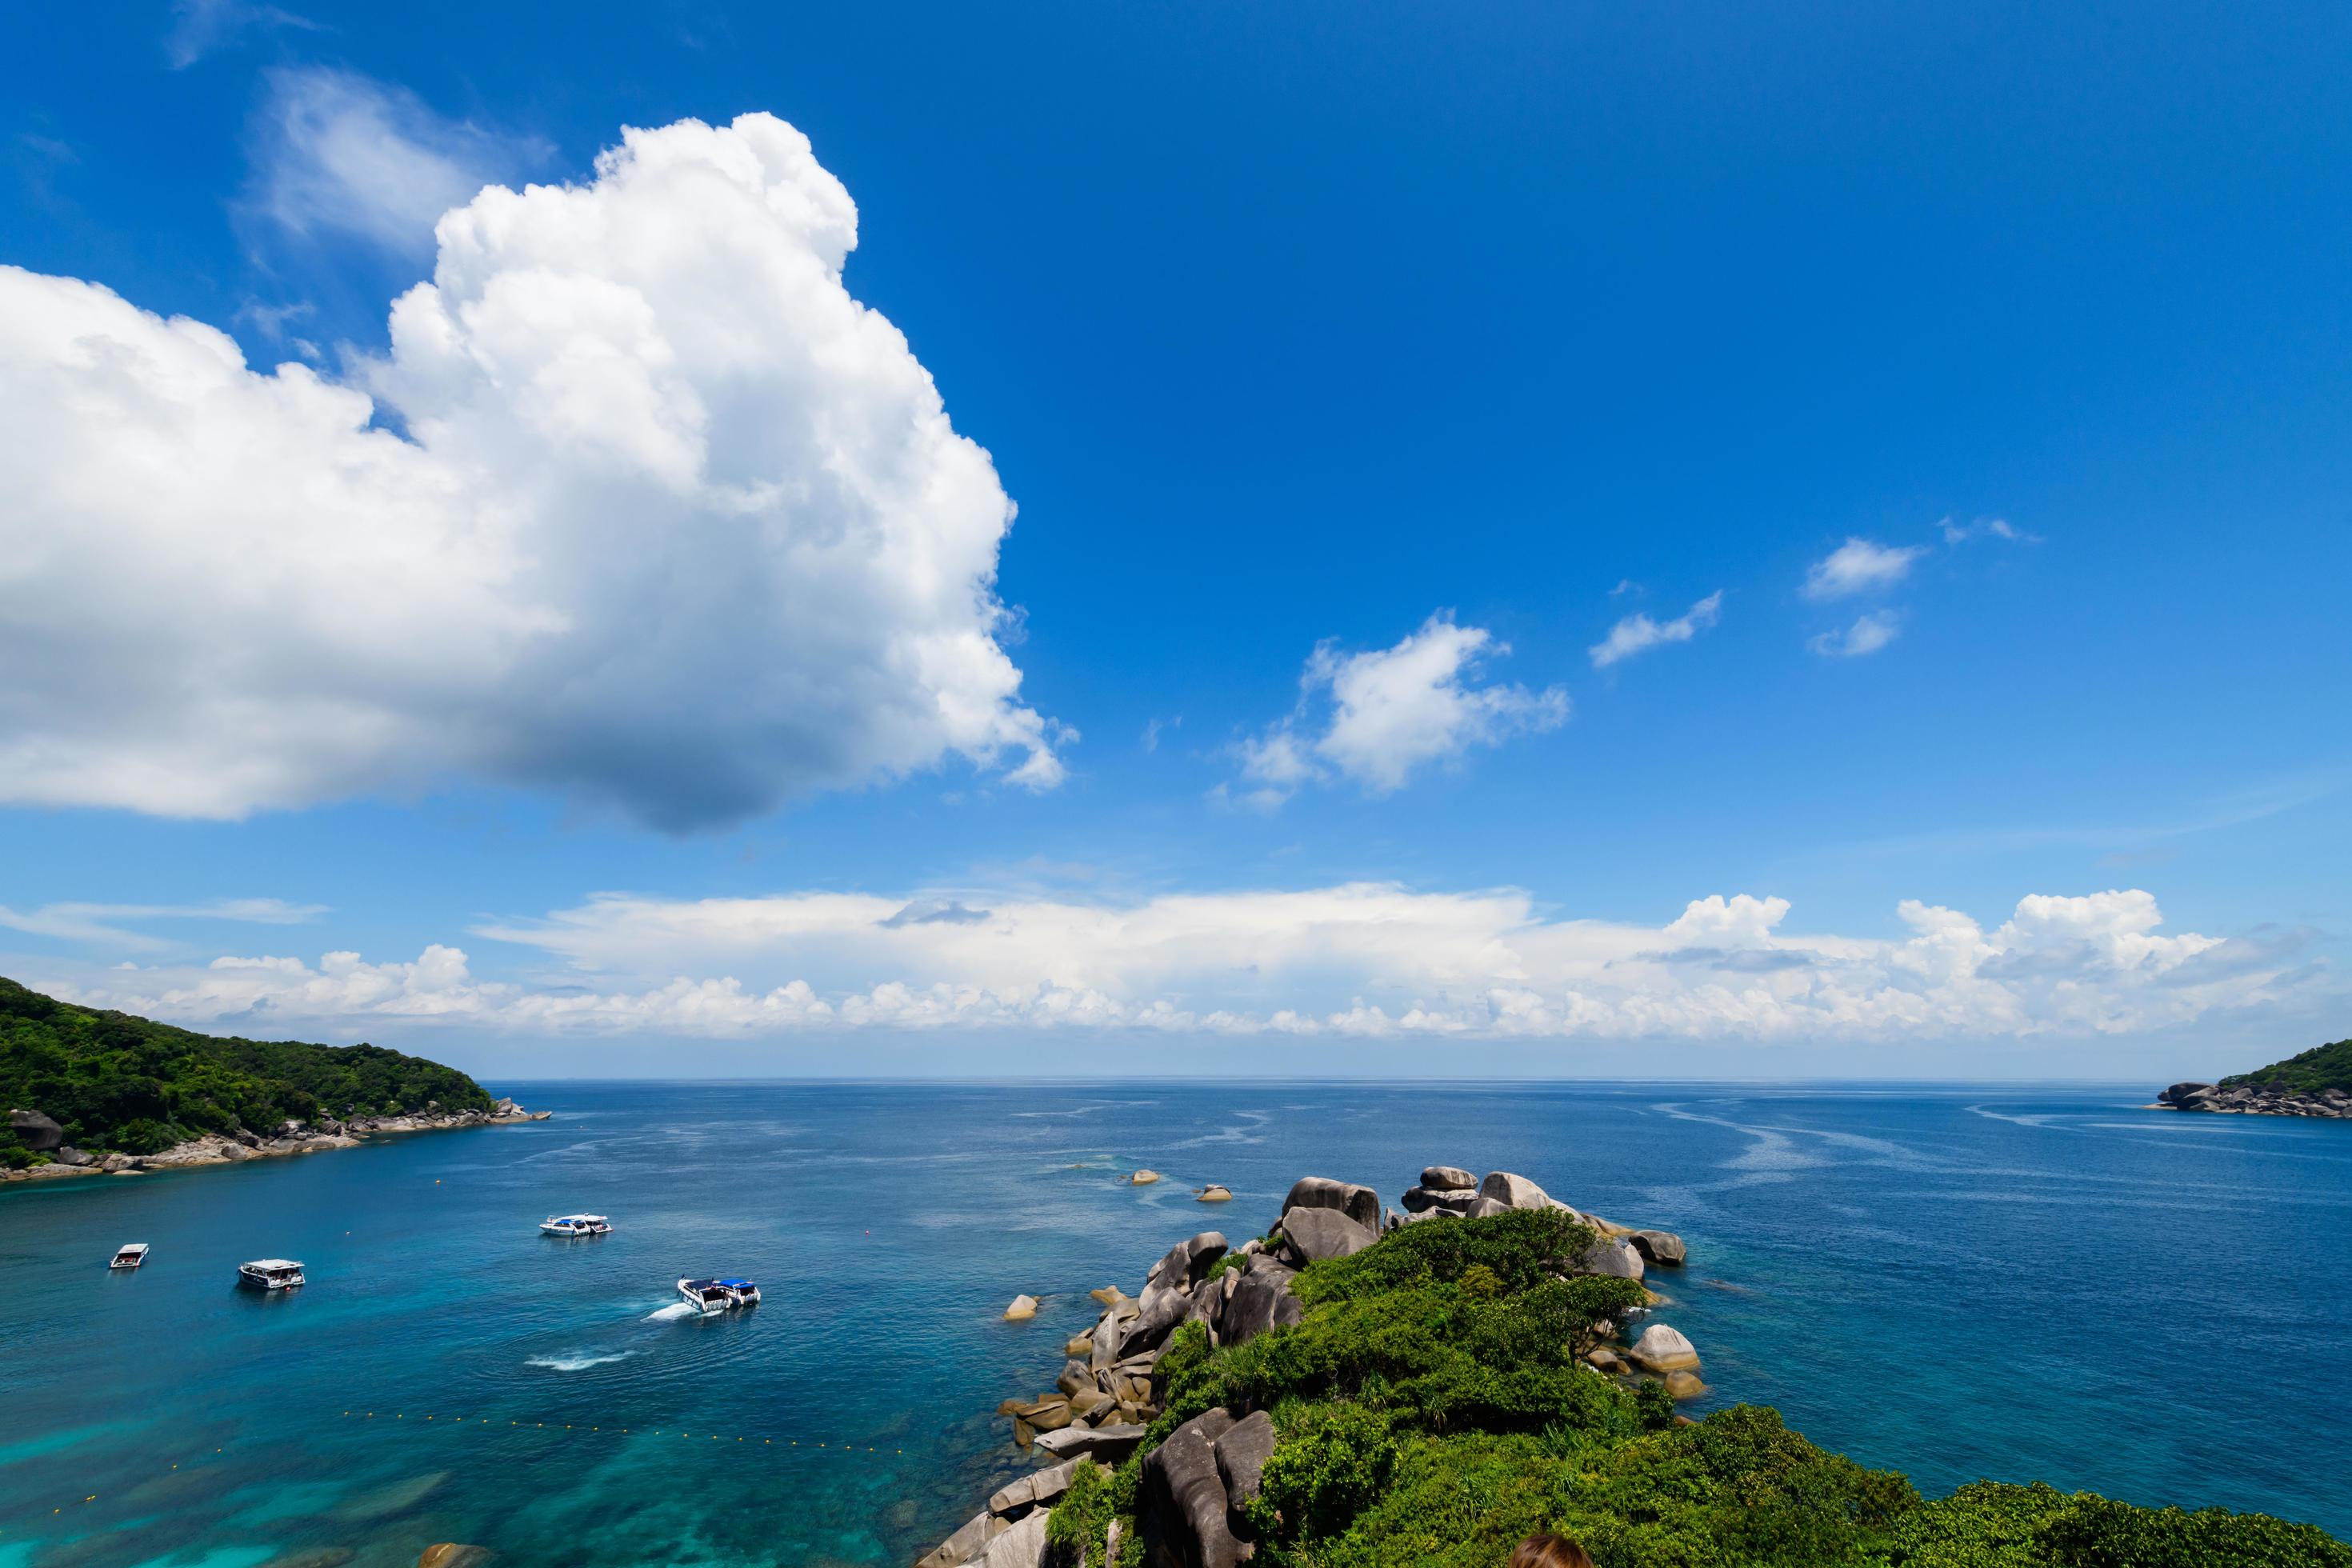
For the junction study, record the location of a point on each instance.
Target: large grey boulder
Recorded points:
(1483, 1207)
(1182, 1506)
(969, 1541)
(1610, 1256)
(1358, 1203)
(1514, 1191)
(1102, 1351)
(36, 1131)
(2181, 1091)
(1441, 1177)
(1260, 1302)
(1308, 1235)
(1208, 1302)
(1662, 1350)
(1241, 1453)
(1105, 1445)
(1022, 1546)
(1456, 1201)
(1658, 1247)
(1185, 1264)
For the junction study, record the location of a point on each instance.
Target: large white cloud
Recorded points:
(1358, 959)
(676, 522)
(1375, 718)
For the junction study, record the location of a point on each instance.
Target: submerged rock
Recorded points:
(1216, 1193)
(451, 1555)
(1684, 1385)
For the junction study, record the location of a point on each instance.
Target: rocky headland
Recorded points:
(2254, 1100)
(42, 1135)
(1200, 1476)
(1429, 1386)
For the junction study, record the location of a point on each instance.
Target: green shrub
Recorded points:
(1329, 1463)
(1993, 1525)
(1078, 1528)
(1481, 1282)
(1521, 1248)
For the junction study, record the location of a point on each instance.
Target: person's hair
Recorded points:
(1551, 1552)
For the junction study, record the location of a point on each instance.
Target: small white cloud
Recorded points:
(338, 152)
(1985, 528)
(1375, 718)
(200, 26)
(1868, 635)
(106, 923)
(1637, 631)
(1153, 728)
(1859, 566)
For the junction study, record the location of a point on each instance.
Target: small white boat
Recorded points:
(576, 1225)
(711, 1297)
(270, 1273)
(129, 1256)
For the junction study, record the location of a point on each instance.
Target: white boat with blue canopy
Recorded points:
(711, 1297)
(576, 1225)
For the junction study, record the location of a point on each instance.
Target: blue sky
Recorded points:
(1487, 483)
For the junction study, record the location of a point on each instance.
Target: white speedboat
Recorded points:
(129, 1256)
(576, 1225)
(270, 1273)
(711, 1297)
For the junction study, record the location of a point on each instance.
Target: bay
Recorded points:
(2025, 1282)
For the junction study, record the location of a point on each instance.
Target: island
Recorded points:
(1379, 1390)
(2316, 1082)
(90, 1091)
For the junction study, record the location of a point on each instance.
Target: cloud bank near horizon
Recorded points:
(670, 522)
(1358, 959)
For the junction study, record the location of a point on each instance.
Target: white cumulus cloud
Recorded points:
(1636, 633)
(1356, 959)
(1859, 566)
(677, 523)
(1376, 718)
(1868, 633)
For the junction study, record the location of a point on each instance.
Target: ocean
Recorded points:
(2017, 1282)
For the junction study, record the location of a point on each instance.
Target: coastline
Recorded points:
(2252, 1099)
(292, 1139)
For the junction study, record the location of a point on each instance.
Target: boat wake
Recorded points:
(577, 1362)
(671, 1313)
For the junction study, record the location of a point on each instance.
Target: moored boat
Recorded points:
(270, 1273)
(129, 1256)
(576, 1225)
(710, 1297)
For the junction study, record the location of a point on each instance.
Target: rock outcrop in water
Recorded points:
(2255, 1099)
(1196, 1483)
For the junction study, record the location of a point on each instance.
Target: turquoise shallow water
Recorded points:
(2015, 1282)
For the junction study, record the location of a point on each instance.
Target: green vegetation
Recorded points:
(129, 1085)
(2320, 1067)
(1430, 1411)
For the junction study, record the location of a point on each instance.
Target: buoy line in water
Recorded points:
(95, 1496)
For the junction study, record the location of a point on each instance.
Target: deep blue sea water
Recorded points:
(2017, 1282)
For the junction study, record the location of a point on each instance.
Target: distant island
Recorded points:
(1426, 1390)
(2318, 1082)
(90, 1091)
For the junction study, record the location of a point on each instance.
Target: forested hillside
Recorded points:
(131, 1085)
